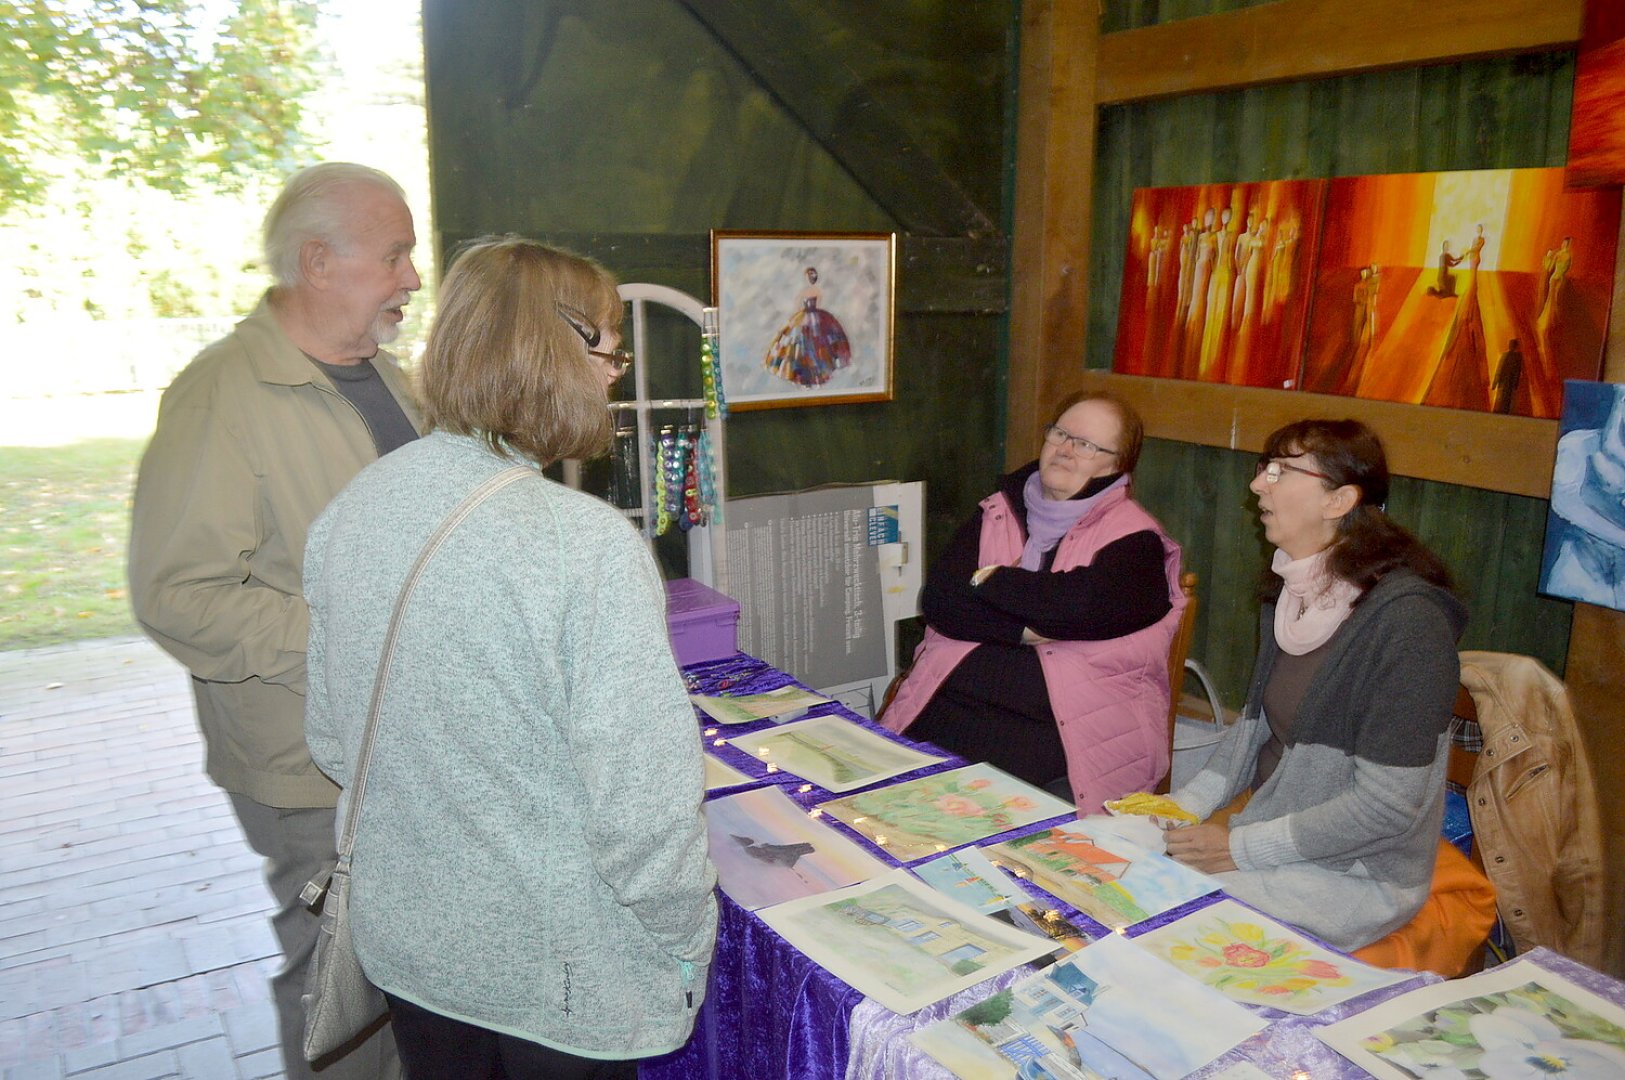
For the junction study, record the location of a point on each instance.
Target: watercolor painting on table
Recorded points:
(1518, 1020)
(946, 810)
(767, 850)
(1106, 1011)
(1112, 881)
(782, 705)
(1216, 282)
(969, 876)
(833, 753)
(1469, 290)
(1251, 958)
(719, 774)
(899, 942)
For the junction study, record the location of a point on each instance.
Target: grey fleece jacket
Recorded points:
(1341, 839)
(531, 856)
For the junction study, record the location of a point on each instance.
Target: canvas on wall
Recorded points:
(804, 318)
(1597, 126)
(1216, 282)
(1469, 290)
(1584, 557)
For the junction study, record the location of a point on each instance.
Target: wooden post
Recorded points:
(1055, 162)
(1595, 675)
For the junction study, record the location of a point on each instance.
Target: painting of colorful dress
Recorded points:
(811, 346)
(1469, 290)
(803, 318)
(1216, 282)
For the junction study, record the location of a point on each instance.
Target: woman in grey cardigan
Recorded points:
(1344, 737)
(531, 888)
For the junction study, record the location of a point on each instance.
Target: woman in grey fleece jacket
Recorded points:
(1344, 737)
(531, 886)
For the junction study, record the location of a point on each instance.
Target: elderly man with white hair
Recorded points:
(253, 440)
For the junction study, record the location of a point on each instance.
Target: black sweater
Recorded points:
(993, 706)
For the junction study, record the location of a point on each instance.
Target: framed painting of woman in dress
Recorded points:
(805, 318)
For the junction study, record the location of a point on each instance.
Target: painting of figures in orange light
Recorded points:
(1215, 282)
(1469, 290)
(1597, 129)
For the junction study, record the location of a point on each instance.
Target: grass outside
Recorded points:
(64, 523)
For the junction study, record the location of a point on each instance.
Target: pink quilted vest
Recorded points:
(1110, 698)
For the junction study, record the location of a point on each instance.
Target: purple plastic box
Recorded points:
(703, 624)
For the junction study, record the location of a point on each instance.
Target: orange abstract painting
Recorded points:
(1469, 290)
(1597, 130)
(1215, 282)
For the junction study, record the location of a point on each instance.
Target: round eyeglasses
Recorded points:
(1059, 436)
(1271, 471)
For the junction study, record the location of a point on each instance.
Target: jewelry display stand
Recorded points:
(636, 419)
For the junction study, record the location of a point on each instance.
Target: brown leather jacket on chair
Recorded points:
(1534, 808)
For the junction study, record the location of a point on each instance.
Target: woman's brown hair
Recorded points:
(502, 363)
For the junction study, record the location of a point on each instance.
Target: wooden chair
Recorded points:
(1178, 651)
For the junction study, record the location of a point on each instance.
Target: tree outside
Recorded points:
(140, 144)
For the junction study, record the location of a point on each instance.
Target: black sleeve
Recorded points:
(949, 603)
(1123, 590)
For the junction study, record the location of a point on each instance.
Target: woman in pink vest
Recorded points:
(1049, 617)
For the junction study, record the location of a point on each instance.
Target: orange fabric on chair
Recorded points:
(1447, 932)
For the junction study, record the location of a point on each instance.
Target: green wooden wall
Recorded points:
(627, 129)
(1503, 113)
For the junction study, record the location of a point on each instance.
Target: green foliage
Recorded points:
(135, 89)
(990, 1012)
(64, 523)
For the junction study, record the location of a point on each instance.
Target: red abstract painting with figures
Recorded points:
(1469, 290)
(1597, 129)
(1216, 282)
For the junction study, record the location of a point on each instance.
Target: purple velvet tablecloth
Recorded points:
(772, 1013)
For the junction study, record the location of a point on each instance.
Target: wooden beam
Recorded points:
(824, 95)
(1513, 454)
(935, 274)
(1055, 153)
(1307, 39)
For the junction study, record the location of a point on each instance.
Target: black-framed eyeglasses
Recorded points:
(1271, 471)
(618, 360)
(1058, 436)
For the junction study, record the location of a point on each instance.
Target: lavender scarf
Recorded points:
(1049, 519)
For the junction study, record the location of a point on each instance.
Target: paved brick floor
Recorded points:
(133, 938)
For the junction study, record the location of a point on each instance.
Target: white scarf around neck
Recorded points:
(1312, 604)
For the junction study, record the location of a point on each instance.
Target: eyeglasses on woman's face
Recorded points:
(616, 360)
(1271, 471)
(1059, 436)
